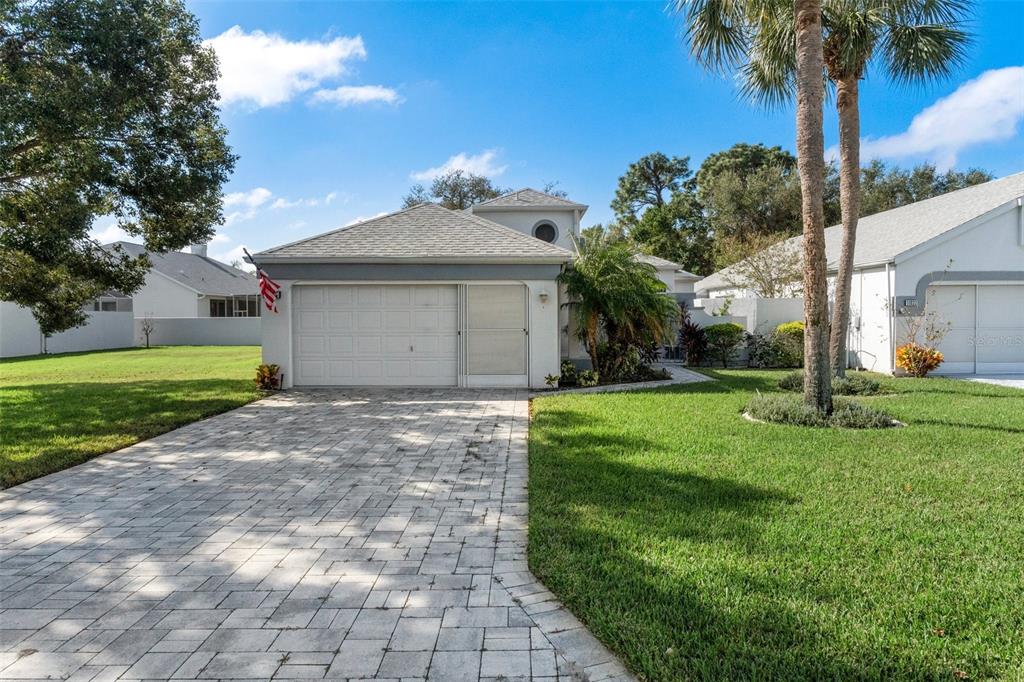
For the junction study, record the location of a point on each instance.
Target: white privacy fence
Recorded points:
(20, 335)
(199, 331)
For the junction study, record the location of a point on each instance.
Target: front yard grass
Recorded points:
(699, 546)
(58, 411)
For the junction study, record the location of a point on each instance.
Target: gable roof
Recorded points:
(199, 273)
(664, 264)
(426, 232)
(526, 198)
(884, 236)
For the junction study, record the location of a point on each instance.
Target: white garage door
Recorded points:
(375, 335)
(986, 334)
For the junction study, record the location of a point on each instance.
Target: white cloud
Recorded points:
(265, 69)
(296, 225)
(232, 255)
(281, 202)
(220, 238)
(112, 232)
(349, 95)
(484, 163)
(254, 198)
(364, 218)
(985, 109)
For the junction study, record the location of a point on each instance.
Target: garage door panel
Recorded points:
(310, 321)
(311, 345)
(362, 335)
(958, 345)
(955, 304)
(1001, 306)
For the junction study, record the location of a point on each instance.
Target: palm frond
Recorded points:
(716, 31)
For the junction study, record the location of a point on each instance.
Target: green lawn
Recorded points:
(700, 546)
(61, 410)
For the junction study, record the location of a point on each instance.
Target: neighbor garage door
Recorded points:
(375, 335)
(986, 327)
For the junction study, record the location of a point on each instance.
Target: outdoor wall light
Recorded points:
(543, 296)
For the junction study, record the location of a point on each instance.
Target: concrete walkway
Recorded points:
(1008, 380)
(346, 535)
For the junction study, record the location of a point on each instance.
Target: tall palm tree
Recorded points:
(912, 41)
(728, 35)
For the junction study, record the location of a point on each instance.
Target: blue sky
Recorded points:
(335, 109)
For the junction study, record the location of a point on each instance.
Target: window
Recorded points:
(546, 232)
(218, 307)
(108, 306)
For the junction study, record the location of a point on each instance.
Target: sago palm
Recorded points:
(726, 35)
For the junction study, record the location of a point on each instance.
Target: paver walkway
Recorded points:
(352, 535)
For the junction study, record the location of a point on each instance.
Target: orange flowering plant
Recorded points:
(917, 360)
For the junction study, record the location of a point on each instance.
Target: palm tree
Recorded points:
(610, 290)
(727, 36)
(913, 41)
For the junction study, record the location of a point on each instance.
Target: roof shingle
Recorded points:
(424, 232)
(884, 236)
(205, 275)
(527, 198)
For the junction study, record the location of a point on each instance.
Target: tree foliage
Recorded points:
(455, 189)
(884, 187)
(109, 109)
(656, 204)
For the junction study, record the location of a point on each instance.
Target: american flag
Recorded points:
(269, 289)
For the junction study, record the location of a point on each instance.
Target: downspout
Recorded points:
(892, 321)
(1020, 221)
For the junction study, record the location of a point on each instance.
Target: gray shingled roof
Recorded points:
(526, 198)
(663, 264)
(426, 232)
(205, 275)
(884, 236)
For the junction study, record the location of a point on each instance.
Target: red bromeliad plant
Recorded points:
(917, 360)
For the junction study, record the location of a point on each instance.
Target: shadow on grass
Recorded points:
(48, 427)
(646, 555)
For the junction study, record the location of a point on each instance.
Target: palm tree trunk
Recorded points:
(847, 103)
(810, 149)
(592, 339)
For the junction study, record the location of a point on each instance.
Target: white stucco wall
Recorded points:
(19, 333)
(524, 221)
(868, 342)
(543, 344)
(993, 244)
(161, 296)
(201, 331)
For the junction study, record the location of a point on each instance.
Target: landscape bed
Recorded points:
(698, 545)
(62, 410)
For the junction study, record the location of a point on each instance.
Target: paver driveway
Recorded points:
(354, 534)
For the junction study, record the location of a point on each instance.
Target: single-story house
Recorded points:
(957, 259)
(678, 280)
(427, 296)
(181, 284)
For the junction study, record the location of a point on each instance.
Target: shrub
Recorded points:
(851, 384)
(917, 360)
(693, 340)
(268, 377)
(568, 373)
(551, 380)
(587, 378)
(790, 409)
(790, 339)
(724, 340)
(855, 384)
(763, 351)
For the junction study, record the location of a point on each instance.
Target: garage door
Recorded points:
(986, 327)
(375, 335)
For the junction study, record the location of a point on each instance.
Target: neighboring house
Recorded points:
(678, 280)
(958, 257)
(427, 296)
(190, 284)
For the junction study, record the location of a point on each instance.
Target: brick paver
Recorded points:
(320, 534)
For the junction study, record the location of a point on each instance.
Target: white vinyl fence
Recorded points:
(20, 336)
(200, 331)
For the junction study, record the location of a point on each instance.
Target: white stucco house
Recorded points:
(959, 257)
(427, 296)
(678, 280)
(188, 285)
